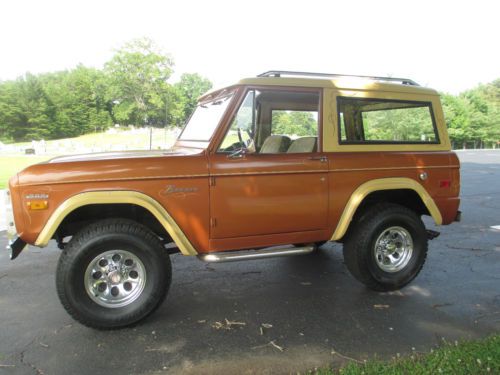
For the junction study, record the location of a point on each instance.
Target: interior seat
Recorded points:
(303, 144)
(275, 144)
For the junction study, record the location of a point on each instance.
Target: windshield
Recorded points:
(205, 119)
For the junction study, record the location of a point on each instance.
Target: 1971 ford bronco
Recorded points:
(287, 158)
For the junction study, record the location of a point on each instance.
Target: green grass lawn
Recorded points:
(467, 358)
(138, 139)
(10, 165)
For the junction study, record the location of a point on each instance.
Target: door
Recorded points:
(268, 176)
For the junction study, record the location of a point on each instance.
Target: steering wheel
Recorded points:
(247, 145)
(240, 138)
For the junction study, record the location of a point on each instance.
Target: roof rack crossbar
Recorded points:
(279, 73)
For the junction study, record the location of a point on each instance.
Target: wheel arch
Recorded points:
(385, 185)
(149, 204)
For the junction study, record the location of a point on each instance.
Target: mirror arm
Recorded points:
(238, 154)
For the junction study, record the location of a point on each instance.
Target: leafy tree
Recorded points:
(473, 117)
(27, 111)
(299, 123)
(137, 83)
(131, 89)
(79, 101)
(187, 91)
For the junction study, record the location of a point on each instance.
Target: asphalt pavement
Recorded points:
(295, 313)
(3, 200)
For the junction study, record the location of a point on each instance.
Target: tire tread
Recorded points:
(94, 230)
(359, 236)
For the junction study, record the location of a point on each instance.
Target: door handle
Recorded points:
(322, 159)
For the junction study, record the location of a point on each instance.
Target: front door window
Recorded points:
(273, 122)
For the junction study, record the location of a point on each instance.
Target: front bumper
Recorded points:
(16, 244)
(15, 247)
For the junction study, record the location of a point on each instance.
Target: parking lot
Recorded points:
(270, 316)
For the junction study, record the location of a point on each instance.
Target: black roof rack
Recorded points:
(279, 73)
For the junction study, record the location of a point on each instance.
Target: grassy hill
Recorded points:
(13, 157)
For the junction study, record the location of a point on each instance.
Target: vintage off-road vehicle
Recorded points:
(286, 158)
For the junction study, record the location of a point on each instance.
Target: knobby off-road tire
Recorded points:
(112, 274)
(386, 247)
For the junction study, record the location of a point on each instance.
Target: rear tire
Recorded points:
(112, 274)
(386, 248)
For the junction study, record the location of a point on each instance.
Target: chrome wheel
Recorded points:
(115, 278)
(393, 249)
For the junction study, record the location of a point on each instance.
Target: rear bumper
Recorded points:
(15, 246)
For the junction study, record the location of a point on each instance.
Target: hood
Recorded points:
(124, 155)
(116, 167)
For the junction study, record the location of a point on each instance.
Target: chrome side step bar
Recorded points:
(233, 256)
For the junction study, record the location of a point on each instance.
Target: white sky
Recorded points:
(448, 45)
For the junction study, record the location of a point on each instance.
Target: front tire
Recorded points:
(387, 247)
(112, 274)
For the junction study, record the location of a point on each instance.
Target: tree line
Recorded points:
(132, 89)
(473, 117)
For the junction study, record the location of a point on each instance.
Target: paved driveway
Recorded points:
(312, 308)
(3, 222)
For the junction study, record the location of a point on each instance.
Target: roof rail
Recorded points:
(279, 73)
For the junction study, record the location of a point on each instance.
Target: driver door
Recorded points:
(258, 192)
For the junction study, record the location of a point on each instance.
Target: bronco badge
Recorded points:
(174, 189)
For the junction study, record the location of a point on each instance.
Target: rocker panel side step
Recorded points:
(233, 256)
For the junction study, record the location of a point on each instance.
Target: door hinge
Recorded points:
(211, 181)
(213, 222)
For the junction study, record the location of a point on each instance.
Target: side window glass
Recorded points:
(241, 132)
(273, 122)
(385, 121)
(294, 122)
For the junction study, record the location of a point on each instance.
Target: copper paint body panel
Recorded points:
(258, 200)
(151, 176)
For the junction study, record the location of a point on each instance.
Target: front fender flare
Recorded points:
(116, 197)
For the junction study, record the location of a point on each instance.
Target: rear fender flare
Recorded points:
(368, 187)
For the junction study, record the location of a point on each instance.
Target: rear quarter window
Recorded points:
(372, 121)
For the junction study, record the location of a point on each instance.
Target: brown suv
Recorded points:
(286, 158)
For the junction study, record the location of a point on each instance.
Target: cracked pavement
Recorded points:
(318, 313)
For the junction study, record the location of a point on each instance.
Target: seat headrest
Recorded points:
(275, 144)
(303, 144)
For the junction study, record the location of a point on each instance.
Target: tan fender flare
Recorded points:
(116, 197)
(383, 184)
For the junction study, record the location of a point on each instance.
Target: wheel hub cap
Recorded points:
(115, 278)
(393, 249)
